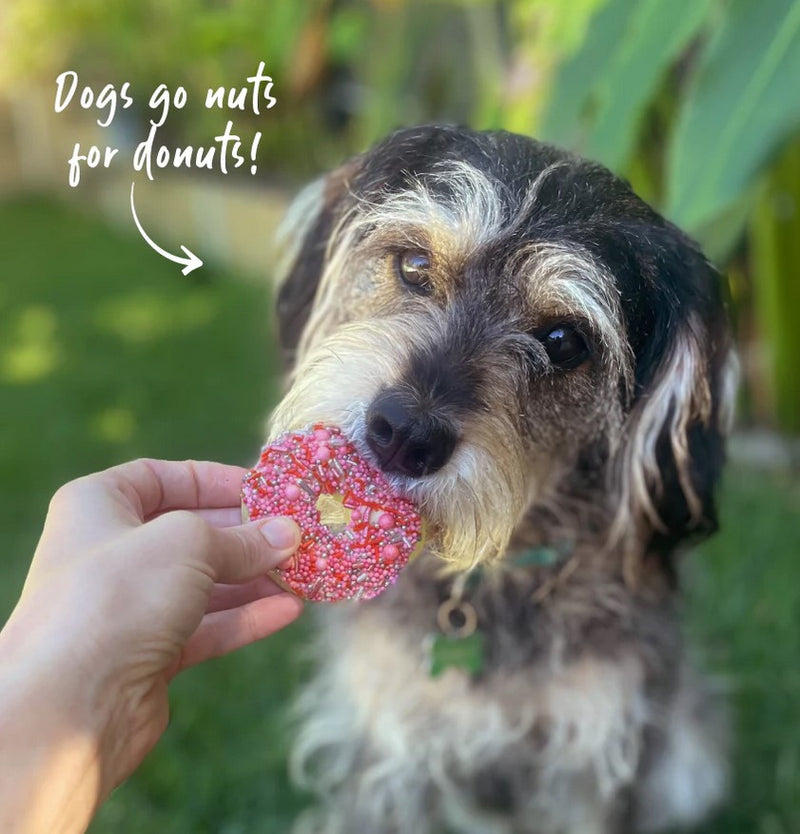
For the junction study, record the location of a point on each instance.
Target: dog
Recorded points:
(543, 364)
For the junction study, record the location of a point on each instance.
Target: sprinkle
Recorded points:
(322, 453)
(307, 488)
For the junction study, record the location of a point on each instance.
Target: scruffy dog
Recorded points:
(543, 364)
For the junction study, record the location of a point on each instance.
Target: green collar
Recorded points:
(463, 645)
(544, 556)
(540, 557)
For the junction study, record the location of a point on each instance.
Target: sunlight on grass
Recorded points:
(34, 351)
(143, 316)
(113, 425)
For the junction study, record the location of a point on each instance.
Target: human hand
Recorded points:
(141, 570)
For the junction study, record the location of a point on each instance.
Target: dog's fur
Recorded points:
(586, 716)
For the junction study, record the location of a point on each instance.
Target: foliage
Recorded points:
(739, 109)
(346, 72)
(584, 73)
(732, 108)
(775, 250)
(601, 93)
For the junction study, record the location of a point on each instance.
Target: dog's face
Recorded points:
(509, 333)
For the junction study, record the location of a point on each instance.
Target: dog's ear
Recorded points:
(672, 452)
(302, 244)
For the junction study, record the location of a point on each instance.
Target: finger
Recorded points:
(229, 555)
(217, 516)
(239, 554)
(224, 597)
(224, 631)
(154, 486)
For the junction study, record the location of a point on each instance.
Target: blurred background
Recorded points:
(107, 352)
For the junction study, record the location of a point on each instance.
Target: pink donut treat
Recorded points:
(357, 532)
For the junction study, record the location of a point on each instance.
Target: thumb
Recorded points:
(239, 554)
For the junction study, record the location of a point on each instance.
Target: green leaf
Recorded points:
(564, 120)
(656, 34)
(742, 106)
(602, 93)
(719, 236)
(773, 254)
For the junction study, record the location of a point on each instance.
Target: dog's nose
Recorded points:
(406, 441)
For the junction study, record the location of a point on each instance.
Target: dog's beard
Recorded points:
(472, 505)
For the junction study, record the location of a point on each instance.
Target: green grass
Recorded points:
(744, 614)
(107, 352)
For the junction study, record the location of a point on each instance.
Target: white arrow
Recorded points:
(190, 262)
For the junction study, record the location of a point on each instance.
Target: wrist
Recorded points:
(53, 729)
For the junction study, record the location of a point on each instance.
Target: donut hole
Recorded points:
(333, 513)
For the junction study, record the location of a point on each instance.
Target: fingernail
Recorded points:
(280, 533)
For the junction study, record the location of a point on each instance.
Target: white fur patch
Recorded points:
(690, 778)
(470, 215)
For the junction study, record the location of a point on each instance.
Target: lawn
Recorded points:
(107, 353)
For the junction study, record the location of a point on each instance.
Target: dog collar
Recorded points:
(460, 643)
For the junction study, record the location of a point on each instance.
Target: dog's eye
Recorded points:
(413, 268)
(565, 347)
